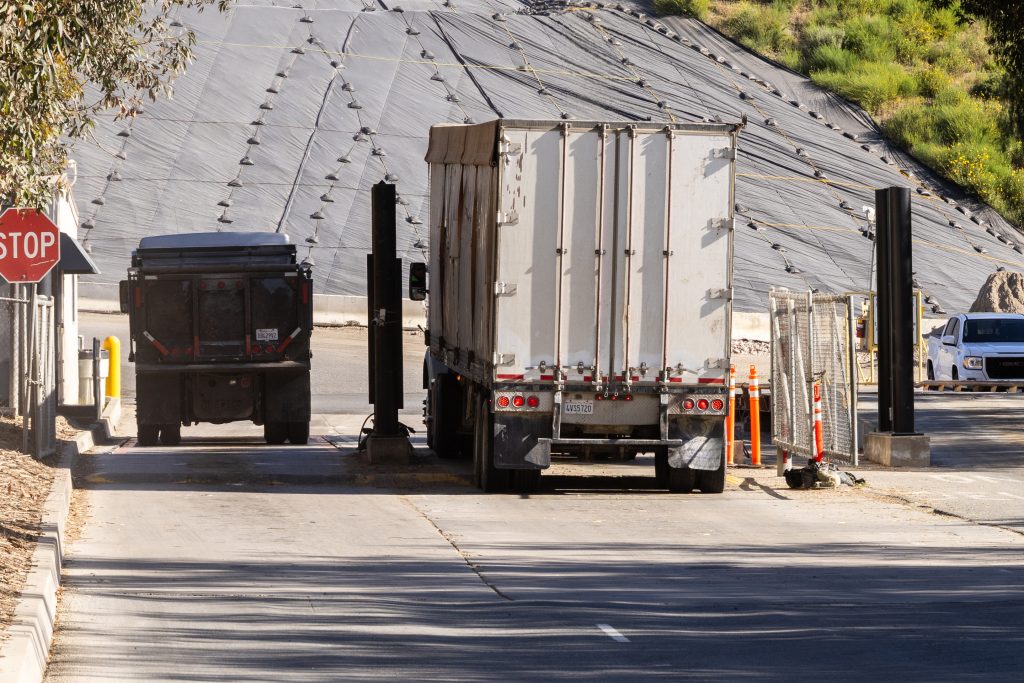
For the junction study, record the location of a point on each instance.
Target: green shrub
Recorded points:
(693, 8)
(870, 37)
(967, 121)
(911, 126)
(870, 84)
(973, 166)
(932, 80)
(829, 58)
(762, 28)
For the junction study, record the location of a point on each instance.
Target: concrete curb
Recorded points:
(25, 652)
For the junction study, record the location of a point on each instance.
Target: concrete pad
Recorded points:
(898, 450)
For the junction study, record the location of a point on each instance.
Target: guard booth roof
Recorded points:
(290, 114)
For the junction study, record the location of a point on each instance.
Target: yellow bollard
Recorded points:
(113, 347)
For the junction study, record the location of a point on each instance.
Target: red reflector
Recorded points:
(587, 378)
(717, 404)
(503, 401)
(688, 404)
(532, 401)
(628, 397)
(614, 397)
(634, 378)
(600, 397)
(202, 285)
(220, 285)
(238, 284)
(675, 379)
(547, 377)
(257, 349)
(518, 401)
(702, 404)
(245, 382)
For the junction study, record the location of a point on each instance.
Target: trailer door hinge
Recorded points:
(504, 288)
(728, 153)
(508, 218)
(720, 294)
(714, 363)
(501, 359)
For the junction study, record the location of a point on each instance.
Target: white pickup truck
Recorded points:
(978, 346)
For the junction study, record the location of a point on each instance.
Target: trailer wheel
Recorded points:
(712, 481)
(661, 467)
(492, 479)
(526, 481)
(298, 433)
(681, 479)
(148, 435)
(170, 435)
(445, 402)
(275, 433)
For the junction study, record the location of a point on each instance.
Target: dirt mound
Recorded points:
(1003, 292)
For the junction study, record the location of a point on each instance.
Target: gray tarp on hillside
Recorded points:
(290, 115)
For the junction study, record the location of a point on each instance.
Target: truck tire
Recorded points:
(275, 433)
(661, 467)
(170, 435)
(148, 435)
(526, 481)
(492, 479)
(445, 402)
(298, 433)
(712, 481)
(681, 479)
(931, 371)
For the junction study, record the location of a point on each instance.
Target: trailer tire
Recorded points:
(712, 481)
(275, 433)
(526, 481)
(492, 479)
(148, 435)
(661, 467)
(681, 479)
(170, 435)
(298, 432)
(445, 403)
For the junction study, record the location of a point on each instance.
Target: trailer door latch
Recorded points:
(504, 288)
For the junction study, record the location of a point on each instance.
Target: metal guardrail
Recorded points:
(991, 386)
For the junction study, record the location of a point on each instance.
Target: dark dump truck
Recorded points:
(220, 330)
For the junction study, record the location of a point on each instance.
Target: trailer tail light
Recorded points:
(600, 397)
(518, 401)
(688, 404)
(503, 401)
(717, 404)
(532, 401)
(702, 404)
(627, 397)
(245, 382)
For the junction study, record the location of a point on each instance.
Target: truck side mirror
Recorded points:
(123, 292)
(949, 340)
(417, 281)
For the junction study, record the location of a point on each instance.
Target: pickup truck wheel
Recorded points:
(956, 374)
(298, 433)
(170, 435)
(681, 479)
(148, 434)
(712, 481)
(275, 433)
(931, 371)
(492, 479)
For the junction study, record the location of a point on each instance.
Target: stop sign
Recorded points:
(29, 245)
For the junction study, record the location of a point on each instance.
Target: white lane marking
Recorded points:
(612, 633)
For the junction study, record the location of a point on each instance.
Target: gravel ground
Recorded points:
(24, 486)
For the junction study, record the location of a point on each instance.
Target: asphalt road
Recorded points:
(225, 559)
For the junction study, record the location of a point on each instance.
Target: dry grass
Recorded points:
(24, 486)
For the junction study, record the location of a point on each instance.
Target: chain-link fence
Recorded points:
(28, 365)
(813, 341)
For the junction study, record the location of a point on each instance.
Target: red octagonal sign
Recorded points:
(29, 245)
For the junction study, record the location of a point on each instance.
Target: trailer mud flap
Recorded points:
(699, 451)
(286, 396)
(520, 443)
(158, 399)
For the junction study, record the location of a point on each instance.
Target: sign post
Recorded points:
(29, 249)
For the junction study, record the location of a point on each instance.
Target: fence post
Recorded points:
(755, 418)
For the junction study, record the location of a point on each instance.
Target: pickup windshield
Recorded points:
(994, 331)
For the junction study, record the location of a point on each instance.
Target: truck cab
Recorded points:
(978, 347)
(220, 328)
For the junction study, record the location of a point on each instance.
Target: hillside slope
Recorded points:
(927, 79)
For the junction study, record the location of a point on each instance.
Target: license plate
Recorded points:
(578, 407)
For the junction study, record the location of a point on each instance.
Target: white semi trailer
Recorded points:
(580, 285)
